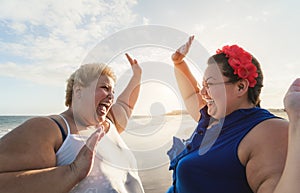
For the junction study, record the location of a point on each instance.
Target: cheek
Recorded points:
(98, 98)
(219, 97)
(213, 93)
(100, 94)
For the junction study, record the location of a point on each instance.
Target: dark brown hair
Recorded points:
(227, 70)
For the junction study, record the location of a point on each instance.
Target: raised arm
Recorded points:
(188, 85)
(28, 163)
(274, 165)
(289, 181)
(121, 111)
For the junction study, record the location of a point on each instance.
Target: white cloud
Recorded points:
(49, 75)
(145, 21)
(52, 34)
(23, 10)
(19, 28)
(199, 28)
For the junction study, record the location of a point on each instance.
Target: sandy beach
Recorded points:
(149, 138)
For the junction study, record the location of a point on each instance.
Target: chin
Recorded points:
(216, 112)
(101, 118)
(211, 111)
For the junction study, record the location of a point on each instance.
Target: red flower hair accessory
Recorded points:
(241, 62)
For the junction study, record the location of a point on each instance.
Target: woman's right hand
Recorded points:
(292, 100)
(181, 52)
(84, 160)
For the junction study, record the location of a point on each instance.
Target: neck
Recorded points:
(241, 105)
(74, 121)
(212, 122)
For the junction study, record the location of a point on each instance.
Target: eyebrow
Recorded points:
(209, 78)
(104, 84)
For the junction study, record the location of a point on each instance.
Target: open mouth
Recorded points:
(103, 108)
(209, 101)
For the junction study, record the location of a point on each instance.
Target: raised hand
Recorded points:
(292, 100)
(134, 65)
(84, 160)
(181, 52)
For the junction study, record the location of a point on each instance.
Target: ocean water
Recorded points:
(141, 126)
(149, 138)
(8, 123)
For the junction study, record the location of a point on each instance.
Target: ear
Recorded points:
(77, 91)
(242, 87)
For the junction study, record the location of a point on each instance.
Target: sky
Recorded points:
(43, 41)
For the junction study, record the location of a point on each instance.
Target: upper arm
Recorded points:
(189, 89)
(193, 104)
(29, 146)
(267, 155)
(119, 114)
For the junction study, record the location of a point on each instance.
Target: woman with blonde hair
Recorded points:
(78, 150)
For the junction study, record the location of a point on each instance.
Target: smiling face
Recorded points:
(89, 94)
(92, 103)
(217, 91)
(104, 96)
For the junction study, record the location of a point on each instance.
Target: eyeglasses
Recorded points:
(207, 85)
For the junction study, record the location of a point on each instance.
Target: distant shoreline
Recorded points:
(184, 112)
(171, 113)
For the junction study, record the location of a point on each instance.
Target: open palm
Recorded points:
(292, 99)
(182, 51)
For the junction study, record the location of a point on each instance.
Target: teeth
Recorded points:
(209, 100)
(105, 104)
(101, 108)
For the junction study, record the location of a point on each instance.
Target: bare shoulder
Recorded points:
(266, 147)
(269, 130)
(31, 145)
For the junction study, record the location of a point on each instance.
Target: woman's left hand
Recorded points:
(137, 70)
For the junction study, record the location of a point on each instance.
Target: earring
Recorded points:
(241, 87)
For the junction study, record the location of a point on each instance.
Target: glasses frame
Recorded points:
(206, 85)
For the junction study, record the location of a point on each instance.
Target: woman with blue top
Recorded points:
(80, 149)
(237, 146)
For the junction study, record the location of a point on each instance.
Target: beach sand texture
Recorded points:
(149, 138)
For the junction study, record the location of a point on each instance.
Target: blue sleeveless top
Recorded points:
(208, 162)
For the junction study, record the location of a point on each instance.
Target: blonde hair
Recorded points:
(84, 75)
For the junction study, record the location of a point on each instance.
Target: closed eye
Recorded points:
(105, 87)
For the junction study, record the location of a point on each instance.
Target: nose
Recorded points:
(203, 91)
(110, 95)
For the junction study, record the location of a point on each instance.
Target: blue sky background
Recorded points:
(43, 41)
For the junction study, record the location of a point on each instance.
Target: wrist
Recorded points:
(75, 174)
(136, 79)
(137, 74)
(293, 116)
(178, 62)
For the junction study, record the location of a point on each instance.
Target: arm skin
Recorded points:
(273, 165)
(188, 86)
(263, 153)
(121, 111)
(28, 162)
(289, 181)
(270, 151)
